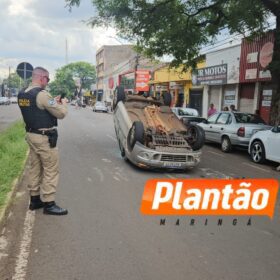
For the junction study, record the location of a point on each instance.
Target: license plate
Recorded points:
(172, 164)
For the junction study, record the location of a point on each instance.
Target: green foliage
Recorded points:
(178, 28)
(65, 78)
(13, 150)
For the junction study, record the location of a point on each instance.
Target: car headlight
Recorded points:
(144, 155)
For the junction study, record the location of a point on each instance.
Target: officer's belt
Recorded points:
(42, 132)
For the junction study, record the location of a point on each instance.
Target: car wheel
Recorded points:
(196, 137)
(136, 133)
(119, 95)
(167, 98)
(257, 152)
(226, 145)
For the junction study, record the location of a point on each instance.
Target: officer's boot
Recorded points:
(50, 208)
(35, 202)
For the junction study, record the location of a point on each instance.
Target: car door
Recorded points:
(209, 127)
(220, 127)
(272, 144)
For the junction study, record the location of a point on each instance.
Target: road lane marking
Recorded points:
(121, 176)
(112, 137)
(100, 173)
(215, 153)
(22, 259)
(251, 165)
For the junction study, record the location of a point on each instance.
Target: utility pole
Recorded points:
(136, 67)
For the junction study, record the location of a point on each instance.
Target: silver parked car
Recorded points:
(100, 106)
(232, 128)
(151, 136)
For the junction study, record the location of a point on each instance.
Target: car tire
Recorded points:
(119, 95)
(196, 137)
(257, 152)
(226, 145)
(136, 134)
(167, 98)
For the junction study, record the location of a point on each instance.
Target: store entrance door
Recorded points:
(196, 100)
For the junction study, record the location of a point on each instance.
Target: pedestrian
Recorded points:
(232, 108)
(226, 108)
(40, 112)
(212, 110)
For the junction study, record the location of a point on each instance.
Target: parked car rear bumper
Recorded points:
(240, 141)
(149, 158)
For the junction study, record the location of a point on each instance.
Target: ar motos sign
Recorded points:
(214, 75)
(210, 197)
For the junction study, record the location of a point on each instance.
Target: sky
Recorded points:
(35, 31)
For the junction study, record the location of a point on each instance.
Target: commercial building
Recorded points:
(179, 84)
(256, 87)
(106, 58)
(133, 74)
(220, 78)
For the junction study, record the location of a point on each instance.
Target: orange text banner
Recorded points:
(210, 197)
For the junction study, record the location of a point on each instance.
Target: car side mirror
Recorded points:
(205, 121)
(276, 129)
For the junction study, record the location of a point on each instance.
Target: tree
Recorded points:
(67, 76)
(180, 28)
(14, 81)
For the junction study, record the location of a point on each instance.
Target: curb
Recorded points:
(10, 196)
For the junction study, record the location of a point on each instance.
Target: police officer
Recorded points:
(40, 112)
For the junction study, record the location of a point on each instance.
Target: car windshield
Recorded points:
(187, 112)
(99, 104)
(248, 118)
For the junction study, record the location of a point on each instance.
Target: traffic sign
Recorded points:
(24, 70)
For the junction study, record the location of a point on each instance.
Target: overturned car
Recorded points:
(151, 136)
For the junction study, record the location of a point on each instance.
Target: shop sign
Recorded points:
(142, 79)
(252, 57)
(214, 75)
(265, 74)
(161, 88)
(266, 54)
(175, 85)
(266, 98)
(127, 81)
(229, 98)
(251, 74)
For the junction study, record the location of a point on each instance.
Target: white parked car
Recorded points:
(100, 106)
(14, 100)
(265, 145)
(187, 115)
(4, 100)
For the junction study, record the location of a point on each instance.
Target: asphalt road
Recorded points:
(8, 115)
(106, 237)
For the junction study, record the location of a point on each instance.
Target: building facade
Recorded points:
(256, 87)
(179, 84)
(220, 78)
(106, 58)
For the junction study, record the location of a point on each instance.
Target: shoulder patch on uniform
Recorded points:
(52, 102)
